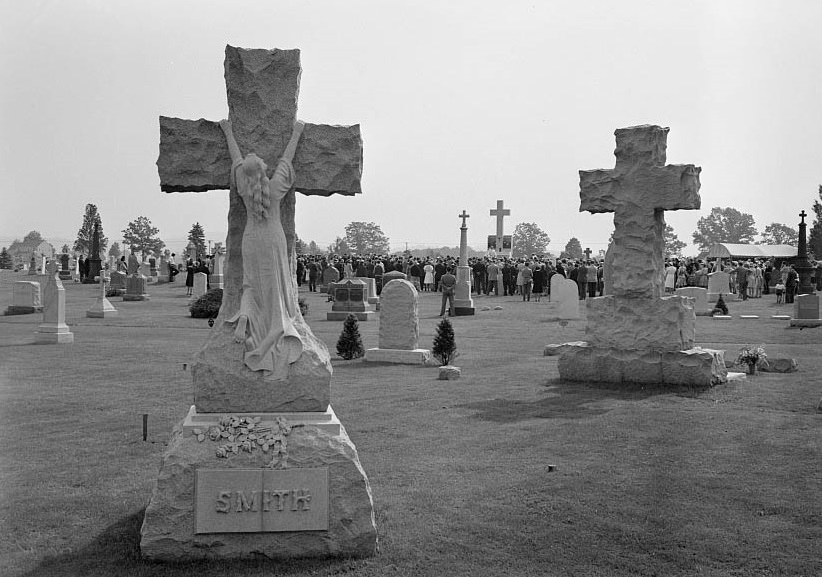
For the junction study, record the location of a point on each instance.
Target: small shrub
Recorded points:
(349, 345)
(445, 347)
(208, 305)
(720, 308)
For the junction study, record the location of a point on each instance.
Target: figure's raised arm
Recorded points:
(233, 148)
(291, 147)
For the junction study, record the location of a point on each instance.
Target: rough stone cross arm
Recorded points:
(194, 158)
(262, 87)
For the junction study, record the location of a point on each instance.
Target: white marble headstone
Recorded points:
(200, 284)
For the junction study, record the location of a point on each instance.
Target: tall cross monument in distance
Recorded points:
(463, 303)
(500, 213)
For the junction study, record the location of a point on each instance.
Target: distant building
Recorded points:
(22, 251)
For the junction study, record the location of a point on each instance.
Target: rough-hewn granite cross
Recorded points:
(638, 191)
(262, 88)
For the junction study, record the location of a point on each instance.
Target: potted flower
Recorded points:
(753, 357)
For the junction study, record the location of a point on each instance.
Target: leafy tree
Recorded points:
(724, 225)
(313, 248)
(673, 246)
(197, 236)
(366, 237)
(115, 250)
(299, 246)
(445, 346)
(349, 345)
(5, 259)
(529, 239)
(815, 233)
(339, 246)
(86, 232)
(33, 237)
(776, 233)
(573, 249)
(141, 236)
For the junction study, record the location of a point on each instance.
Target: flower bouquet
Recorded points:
(752, 356)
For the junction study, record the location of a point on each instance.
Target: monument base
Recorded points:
(309, 497)
(101, 309)
(398, 356)
(128, 297)
(694, 367)
(342, 315)
(326, 420)
(806, 323)
(22, 310)
(64, 275)
(53, 335)
(463, 311)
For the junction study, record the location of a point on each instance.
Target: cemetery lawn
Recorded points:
(646, 481)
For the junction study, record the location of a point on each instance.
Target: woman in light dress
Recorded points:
(428, 281)
(670, 278)
(268, 307)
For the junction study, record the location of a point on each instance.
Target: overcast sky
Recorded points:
(460, 104)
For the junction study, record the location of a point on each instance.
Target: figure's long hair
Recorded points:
(251, 176)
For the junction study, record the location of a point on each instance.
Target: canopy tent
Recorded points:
(727, 250)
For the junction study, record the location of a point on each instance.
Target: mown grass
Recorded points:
(647, 481)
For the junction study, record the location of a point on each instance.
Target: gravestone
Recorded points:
(219, 258)
(328, 277)
(393, 275)
(302, 492)
(399, 326)
(145, 270)
(118, 280)
(25, 298)
(349, 299)
(200, 284)
(65, 272)
(54, 330)
(371, 289)
(102, 308)
(719, 283)
(32, 266)
(463, 303)
(806, 311)
(136, 288)
(564, 304)
(93, 262)
(700, 296)
(635, 334)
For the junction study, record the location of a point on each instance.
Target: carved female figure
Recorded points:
(268, 312)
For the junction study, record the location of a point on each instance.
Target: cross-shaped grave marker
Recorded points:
(587, 252)
(500, 213)
(638, 191)
(463, 216)
(262, 88)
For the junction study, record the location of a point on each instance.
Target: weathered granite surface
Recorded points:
(449, 373)
(638, 191)
(666, 324)
(699, 367)
(168, 534)
(399, 319)
(194, 155)
(223, 383)
(700, 296)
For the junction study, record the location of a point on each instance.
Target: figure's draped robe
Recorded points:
(271, 339)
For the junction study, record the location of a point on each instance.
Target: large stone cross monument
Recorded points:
(638, 191)
(500, 213)
(634, 334)
(260, 466)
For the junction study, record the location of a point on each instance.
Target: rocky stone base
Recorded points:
(398, 356)
(449, 373)
(342, 315)
(666, 324)
(695, 367)
(169, 531)
(222, 382)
